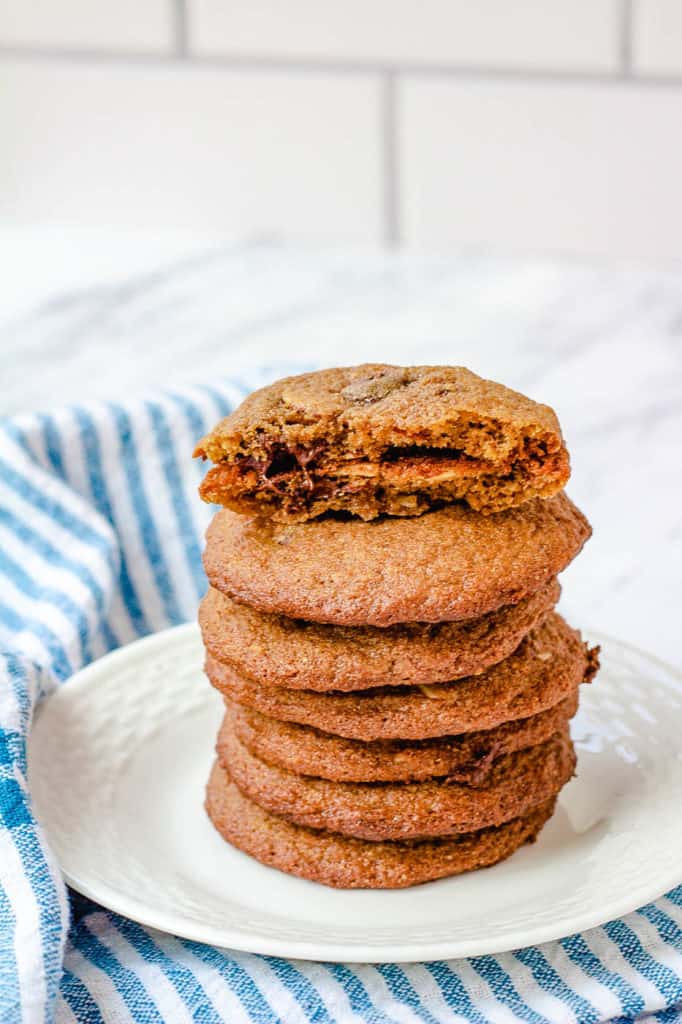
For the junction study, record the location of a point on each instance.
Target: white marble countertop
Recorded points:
(88, 316)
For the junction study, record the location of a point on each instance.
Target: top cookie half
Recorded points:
(378, 439)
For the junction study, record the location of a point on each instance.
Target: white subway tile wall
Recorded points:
(579, 34)
(566, 162)
(537, 124)
(123, 25)
(657, 42)
(247, 152)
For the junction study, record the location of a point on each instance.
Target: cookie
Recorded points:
(354, 863)
(448, 565)
(293, 653)
(467, 758)
(547, 667)
(404, 810)
(378, 439)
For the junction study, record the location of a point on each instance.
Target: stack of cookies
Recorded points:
(380, 621)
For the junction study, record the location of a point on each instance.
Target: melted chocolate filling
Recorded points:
(282, 460)
(418, 451)
(283, 465)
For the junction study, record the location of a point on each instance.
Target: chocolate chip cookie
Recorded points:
(548, 666)
(466, 758)
(516, 784)
(447, 565)
(304, 655)
(345, 863)
(378, 439)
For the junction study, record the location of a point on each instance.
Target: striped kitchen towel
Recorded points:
(100, 537)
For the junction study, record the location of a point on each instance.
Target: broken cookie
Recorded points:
(377, 439)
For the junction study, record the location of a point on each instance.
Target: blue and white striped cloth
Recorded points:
(100, 535)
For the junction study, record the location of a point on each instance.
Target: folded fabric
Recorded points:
(100, 539)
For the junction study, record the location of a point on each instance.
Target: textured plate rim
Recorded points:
(381, 952)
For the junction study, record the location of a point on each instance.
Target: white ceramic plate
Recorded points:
(120, 755)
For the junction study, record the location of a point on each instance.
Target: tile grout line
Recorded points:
(258, 62)
(625, 38)
(179, 16)
(390, 160)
